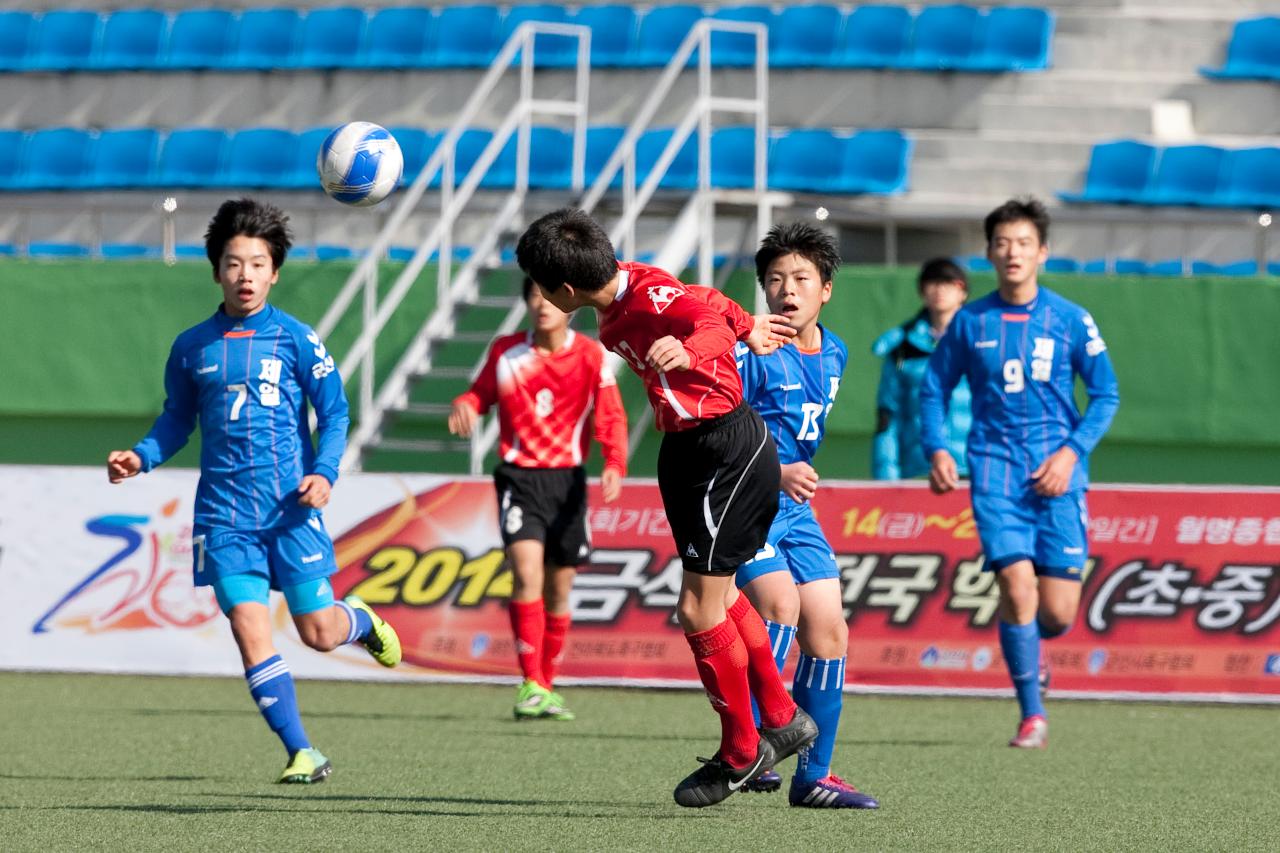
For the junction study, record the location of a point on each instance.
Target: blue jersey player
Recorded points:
(1021, 349)
(246, 376)
(793, 581)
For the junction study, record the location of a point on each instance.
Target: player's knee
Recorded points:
(315, 634)
(829, 641)
(1019, 600)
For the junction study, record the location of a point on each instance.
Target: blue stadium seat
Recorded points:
(1254, 51)
(468, 149)
(739, 49)
(661, 30)
(63, 41)
(132, 40)
(128, 251)
(201, 38)
(125, 158)
(806, 160)
(1186, 175)
(1012, 38)
(682, 174)
(399, 38)
(805, 36)
(733, 152)
(1234, 268)
(550, 158)
(191, 252)
(8, 250)
(1252, 179)
(267, 39)
(502, 174)
(58, 159)
(1273, 268)
(416, 146)
(1171, 267)
(326, 252)
(330, 38)
(1094, 266)
(613, 33)
(1130, 266)
(260, 157)
(302, 174)
(191, 157)
(1059, 264)
(976, 263)
(550, 51)
(875, 37)
(602, 141)
(875, 161)
(466, 36)
(54, 249)
(1119, 172)
(945, 38)
(12, 145)
(15, 39)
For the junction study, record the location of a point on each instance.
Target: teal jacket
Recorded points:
(896, 451)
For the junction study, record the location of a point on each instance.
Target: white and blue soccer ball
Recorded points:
(360, 163)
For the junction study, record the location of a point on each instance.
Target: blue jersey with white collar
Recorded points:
(793, 390)
(247, 383)
(1021, 362)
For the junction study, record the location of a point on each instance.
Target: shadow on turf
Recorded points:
(36, 777)
(530, 808)
(310, 715)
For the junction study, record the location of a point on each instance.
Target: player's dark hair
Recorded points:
(246, 217)
(941, 269)
(1027, 209)
(567, 247)
(526, 287)
(798, 238)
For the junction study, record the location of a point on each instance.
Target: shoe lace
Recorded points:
(835, 781)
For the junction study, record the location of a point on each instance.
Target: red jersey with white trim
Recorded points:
(651, 304)
(546, 402)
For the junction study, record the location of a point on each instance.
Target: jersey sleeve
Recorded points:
(483, 392)
(177, 420)
(610, 420)
(751, 371)
(884, 446)
(1090, 361)
(734, 314)
(946, 365)
(318, 376)
(705, 332)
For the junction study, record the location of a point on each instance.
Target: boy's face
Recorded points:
(1016, 252)
(544, 316)
(794, 288)
(943, 296)
(245, 274)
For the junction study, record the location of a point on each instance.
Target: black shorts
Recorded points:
(546, 504)
(719, 484)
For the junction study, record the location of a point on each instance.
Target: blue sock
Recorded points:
(1047, 633)
(271, 687)
(358, 621)
(819, 689)
(780, 638)
(1021, 647)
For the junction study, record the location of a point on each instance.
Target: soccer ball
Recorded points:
(359, 164)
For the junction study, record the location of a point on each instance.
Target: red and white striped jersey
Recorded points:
(651, 304)
(550, 404)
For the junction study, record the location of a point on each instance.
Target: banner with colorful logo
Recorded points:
(1181, 594)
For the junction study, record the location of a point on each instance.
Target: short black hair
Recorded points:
(1029, 209)
(526, 287)
(567, 246)
(941, 269)
(247, 217)
(798, 238)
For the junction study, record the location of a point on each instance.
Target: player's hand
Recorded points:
(1053, 477)
(943, 475)
(799, 481)
(462, 419)
(122, 464)
(770, 332)
(668, 354)
(314, 491)
(610, 485)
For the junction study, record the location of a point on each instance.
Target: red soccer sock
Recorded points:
(722, 666)
(528, 619)
(776, 706)
(553, 646)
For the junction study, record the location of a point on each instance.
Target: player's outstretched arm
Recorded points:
(122, 464)
(943, 475)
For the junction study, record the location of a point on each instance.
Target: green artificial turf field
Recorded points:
(132, 763)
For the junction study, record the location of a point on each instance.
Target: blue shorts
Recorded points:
(306, 597)
(795, 544)
(1050, 532)
(282, 558)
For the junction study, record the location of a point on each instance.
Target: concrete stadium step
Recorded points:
(1002, 113)
(994, 178)
(1011, 147)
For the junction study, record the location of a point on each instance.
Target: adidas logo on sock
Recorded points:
(691, 551)
(267, 701)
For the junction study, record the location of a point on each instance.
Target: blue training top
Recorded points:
(248, 381)
(1021, 362)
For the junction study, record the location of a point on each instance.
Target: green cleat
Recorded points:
(383, 642)
(557, 710)
(306, 767)
(532, 701)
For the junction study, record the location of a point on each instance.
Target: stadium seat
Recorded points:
(733, 152)
(8, 250)
(12, 145)
(550, 51)
(1012, 38)
(613, 33)
(976, 263)
(190, 252)
(132, 40)
(945, 38)
(602, 141)
(1186, 175)
(730, 50)
(874, 161)
(416, 146)
(15, 39)
(466, 37)
(1252, 179)
(550, 158)
(267, 39)
(875, 37)
(1129, 266)
(128, 251)
(1234, 268)
(1059, 264)
(806, 160)
(302, 174)
(502, 173)
(125, 158)
(63, 41)
(470, 145)
(330, 38)
(201, 38)
(325, 252)
(399, 38)
(662, 29)
(261, 157)
(1273, 268)
(1119, 172)
(58, 159)
(1253, 53)
(1169, 267)
(682, 174)
(805, 36)
(1094, 266)
(53, 249)
(191, 157)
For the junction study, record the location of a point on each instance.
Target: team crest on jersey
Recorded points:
(664, 295)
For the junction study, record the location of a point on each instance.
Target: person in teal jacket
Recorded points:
(896, 450)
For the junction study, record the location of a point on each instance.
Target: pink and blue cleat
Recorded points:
(829, 792)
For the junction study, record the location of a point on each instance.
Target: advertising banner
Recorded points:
(1180, 599)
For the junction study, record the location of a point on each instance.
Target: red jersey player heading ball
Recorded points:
(717, 471)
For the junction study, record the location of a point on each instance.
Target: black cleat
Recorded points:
(794, 736)
(714, 781)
